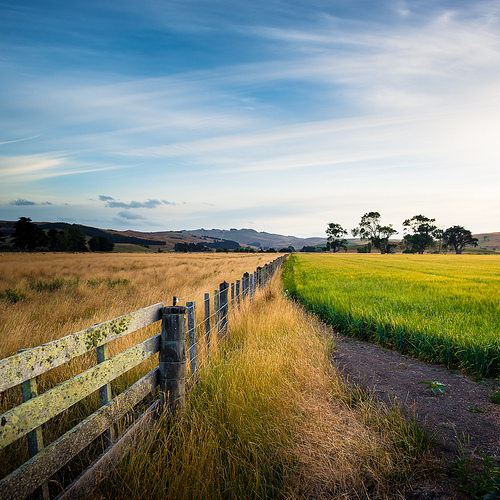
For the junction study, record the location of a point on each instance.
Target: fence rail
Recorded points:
(171, 376)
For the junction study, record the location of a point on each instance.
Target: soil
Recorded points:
(461, 417)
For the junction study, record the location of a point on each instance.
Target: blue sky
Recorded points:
(275, 115)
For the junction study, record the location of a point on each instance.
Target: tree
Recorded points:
(420, 232)
(100, 244)
(458, 238)
(71, 239)
(370, 229)
(439, 235)
(28, 236)
(335, 237)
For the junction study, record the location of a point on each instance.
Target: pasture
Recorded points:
(440, 308)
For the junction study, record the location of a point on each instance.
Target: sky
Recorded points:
(275, 115)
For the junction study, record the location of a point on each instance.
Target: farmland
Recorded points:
(440, 308)
(269, 417)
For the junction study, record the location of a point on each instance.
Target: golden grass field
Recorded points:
(269, 417)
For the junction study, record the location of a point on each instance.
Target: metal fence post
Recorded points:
(207, 322)
(172, 359)
(224, 309)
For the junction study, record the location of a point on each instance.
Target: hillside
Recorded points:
(164, 239)
(488, 241)
(250, 237)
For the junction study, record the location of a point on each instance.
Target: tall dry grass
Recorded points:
(47, 296)
(270, 418)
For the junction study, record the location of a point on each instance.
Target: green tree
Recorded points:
(370, 229)
(28, 236)
(458, 238)
(71, 239)
(100, 244)
(335, 237)
(52, 234)
(420, 232)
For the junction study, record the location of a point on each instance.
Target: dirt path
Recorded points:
(464, 410)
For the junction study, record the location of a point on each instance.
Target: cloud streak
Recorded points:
(110, 202)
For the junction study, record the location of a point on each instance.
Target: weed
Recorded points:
(435, 387)
(11, 295)
(476, 476)
(495, 397)
(48, 286)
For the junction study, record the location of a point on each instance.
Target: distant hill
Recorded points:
(250, 237)
(488, 241)
(164, 239)
(217, 238)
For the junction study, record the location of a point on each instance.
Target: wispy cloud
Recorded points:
(130, 216)
(19, 140)
(22, 203)
(313, 98)
(43, 166)
(110, 202)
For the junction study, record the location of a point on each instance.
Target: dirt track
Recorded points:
(464, 409)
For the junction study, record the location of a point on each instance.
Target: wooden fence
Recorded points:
(172, 376)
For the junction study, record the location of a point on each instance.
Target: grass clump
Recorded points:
(12, 296)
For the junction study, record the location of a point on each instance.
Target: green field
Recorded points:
(440, 308)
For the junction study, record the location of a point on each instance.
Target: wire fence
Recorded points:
(213, 325)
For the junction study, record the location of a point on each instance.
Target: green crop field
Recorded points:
(440, 308)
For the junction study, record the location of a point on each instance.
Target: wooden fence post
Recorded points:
(104, 392)
(238, 297)
(172, 359)
(207, 322)
(245, 285)
(29, 390)
(259, 276)
(232, 295)
(224, 309)
(250, 285)
(191, 317)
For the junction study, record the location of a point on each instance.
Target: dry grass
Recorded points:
(59, 294)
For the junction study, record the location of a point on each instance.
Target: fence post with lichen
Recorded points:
(172, 359)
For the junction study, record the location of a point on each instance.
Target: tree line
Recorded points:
(28, 237)
(420, 234)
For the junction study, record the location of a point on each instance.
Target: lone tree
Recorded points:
(458, 238)
(335, 237)
(420, 233)
(370, 229)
